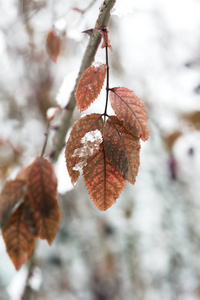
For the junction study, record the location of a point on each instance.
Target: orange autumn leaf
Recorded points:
(84, 125)
(42, 193)
(19, 237)
(122, 148)
(103, 181)
(130, 110)
(53, 45)
(90, 85)
(11, 197)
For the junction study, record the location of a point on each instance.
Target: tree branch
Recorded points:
(88, 58)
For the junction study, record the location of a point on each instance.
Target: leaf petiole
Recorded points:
(107, 80)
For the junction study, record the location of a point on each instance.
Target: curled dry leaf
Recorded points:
(84, 125)
(11, 197)
(103, 181)
(130, 110)
(43, 201)
(90, 85)
(53, 45)
(106, 41)
(19, 237)
(122, 148)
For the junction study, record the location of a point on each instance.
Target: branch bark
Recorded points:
(87, 60)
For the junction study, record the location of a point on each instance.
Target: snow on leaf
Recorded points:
(53, 45)
(11, 197)
(42, 193)
(83, 126)
(122, 148)
(19, 237)
(90, 143)
(131, 110)
(90, 85)
(103, 181)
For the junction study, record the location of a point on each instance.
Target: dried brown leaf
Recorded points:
(130, 110)
(19, 237)
(90, 85)
(122, 148)
(84, 125)
(103, 181)
(53, 45)
(42, 192)
(11, 197)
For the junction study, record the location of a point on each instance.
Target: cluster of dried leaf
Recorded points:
(29, 209)
(117, 158)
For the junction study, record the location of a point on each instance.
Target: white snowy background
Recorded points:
(147, 245)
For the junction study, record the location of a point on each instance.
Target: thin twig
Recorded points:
(107, 81)
(46, 139)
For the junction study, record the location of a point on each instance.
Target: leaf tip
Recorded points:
(20, 258)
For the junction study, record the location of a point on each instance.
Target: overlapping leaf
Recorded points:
(42, 193)
(19, 237)
(81, 127)
(90, 85)
(122, 148)
(103, 181)
(11, 197)
(53, 45)
(131, 110)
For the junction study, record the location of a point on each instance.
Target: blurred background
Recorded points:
(147, 245)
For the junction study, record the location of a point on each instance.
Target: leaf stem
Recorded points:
(107, 80)
(46, 139)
